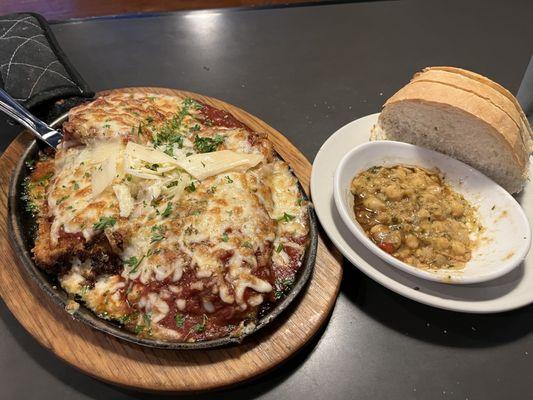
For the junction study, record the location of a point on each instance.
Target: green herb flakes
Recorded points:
(180, 320)
(134, 263)
(207, 144)
(191, 188)
(285, 217)
(168, 210)
(104, 222)
(62, 199)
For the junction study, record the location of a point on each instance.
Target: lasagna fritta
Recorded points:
(168, 216)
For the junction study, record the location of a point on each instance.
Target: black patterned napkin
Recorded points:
(33, 68)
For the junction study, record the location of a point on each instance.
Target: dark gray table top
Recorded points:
(307, 71)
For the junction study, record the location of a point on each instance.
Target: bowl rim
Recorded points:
(59, 297)
(357, 231)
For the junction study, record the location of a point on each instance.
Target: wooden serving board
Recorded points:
(112, 360)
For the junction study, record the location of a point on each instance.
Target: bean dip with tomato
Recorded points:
(412, 214)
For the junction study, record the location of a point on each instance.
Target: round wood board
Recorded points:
(112, 360)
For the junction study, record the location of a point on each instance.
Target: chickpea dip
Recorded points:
(412, 214)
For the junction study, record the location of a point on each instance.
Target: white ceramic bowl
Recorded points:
(504, 242)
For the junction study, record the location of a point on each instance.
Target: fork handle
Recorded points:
(39, 128)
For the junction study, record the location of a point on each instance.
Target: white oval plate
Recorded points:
(508, 292)
(503, 243)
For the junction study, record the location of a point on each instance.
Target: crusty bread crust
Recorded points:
(498, 122)
(460, 81)
(526, 129)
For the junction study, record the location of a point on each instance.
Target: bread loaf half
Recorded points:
(466, 116)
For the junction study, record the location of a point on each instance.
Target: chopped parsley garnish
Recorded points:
(288, 282)
(196, 212)
(170, 132)
(180, 320)
(190, 102)
(299, 201)
(212, 189)
(225, 237)
(84, 290)
(282, 287)
(147, 318)
(207, 144)
(124, 318)
(374, 170)
(286, 217)
(198, 328)
(30, 164)
(195, 128)
(30, 206)
(146, 325)
(103, 223)
(167, 211)
(247, 244)
(75, 186)
(228, 179)
(134, 263)
(279, 249)
(157, 234)
(169, 150)
(156, 237)
(43, 181)
(172, 184)
(62, 199)
(191, 188)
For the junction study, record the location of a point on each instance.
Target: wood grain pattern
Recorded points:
(115, 361)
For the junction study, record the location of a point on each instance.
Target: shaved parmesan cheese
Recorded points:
(148, 154)
(146, 162)
(204, 165)
(104, 175)
(125, 201)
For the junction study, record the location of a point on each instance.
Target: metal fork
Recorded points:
(40, 129)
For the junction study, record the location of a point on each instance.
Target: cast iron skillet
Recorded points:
(23, 226)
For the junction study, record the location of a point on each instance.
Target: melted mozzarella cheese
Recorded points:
(178, 217)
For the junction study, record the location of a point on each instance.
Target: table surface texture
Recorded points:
(307, 71)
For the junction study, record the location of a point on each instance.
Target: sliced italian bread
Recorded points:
(483, 87)
(459, 114)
